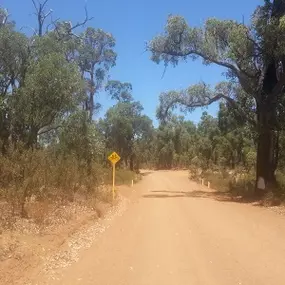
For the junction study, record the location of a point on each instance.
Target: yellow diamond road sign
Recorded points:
(114, 157)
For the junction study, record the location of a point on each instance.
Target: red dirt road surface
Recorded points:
(172, 234)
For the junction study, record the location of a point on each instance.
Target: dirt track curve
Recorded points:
(172, 235)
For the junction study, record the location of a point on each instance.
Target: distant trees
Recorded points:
(124, 127)
(213, 142)
(96, 57)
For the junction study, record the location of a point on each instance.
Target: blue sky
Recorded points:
(135, 22)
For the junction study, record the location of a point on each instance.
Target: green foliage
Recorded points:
(250, 160)
(81, 138)
(51, 148)
(220, 41)
(97, 50)
(174, 143)
(224, 142)
(124, 127)
(96, 57)
(119, 91)
(52, 88)
(253, 56)
(13, 58)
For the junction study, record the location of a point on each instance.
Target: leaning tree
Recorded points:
(254, 57)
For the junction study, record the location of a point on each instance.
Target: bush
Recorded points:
(239, 182)
(280, 178)
(243, 186)
(44, 175)
(250, 160)
(219, 180)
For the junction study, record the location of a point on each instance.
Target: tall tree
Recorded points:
(254, 58)
(175, 143)
(52, 89)
(124, 126)
(14, 56)
(96, 57)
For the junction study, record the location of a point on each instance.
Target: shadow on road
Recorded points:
(145, 173)
(216, 195)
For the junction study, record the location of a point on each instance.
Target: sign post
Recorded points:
(114, 158)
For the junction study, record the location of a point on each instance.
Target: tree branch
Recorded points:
(279, 86)
(47, 129)
(28, 27)
(194, 52)
(69, 30)
(41, 15)
(53, 22)
(87, 19)
(45, 2)
(36, 7)
(188, 100)
(243, 78)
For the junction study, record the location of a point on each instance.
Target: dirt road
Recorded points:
(172, 235)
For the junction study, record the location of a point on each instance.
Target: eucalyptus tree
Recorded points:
(254, 58)
(96, 57)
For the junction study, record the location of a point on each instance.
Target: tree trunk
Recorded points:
(33, 137)
(92, 93)
(267, 122)
(91, 107)
(266, 149)
(131, 163)
(132, 157)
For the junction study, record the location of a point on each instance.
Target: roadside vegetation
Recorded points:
(252, 97)
(54, 150)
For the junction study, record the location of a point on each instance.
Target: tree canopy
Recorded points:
(253, 56)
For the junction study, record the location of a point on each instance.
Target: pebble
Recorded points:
(82, 240)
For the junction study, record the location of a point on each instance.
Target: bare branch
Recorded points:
(186, 99)
(41, 15)
(164, 71)
(47, 14)
(52, 23)
(145, 49)
(69, 30)
(35, 5)
(87, 19)
(29, 27)
(45, 2)
(47, 129)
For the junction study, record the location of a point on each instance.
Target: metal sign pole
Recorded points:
(114, 173)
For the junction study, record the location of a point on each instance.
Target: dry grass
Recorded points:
(123, 177)
(47, 195)
(238, 182)
(32, 181)
(241, 183)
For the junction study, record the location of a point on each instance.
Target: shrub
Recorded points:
(44, 175)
